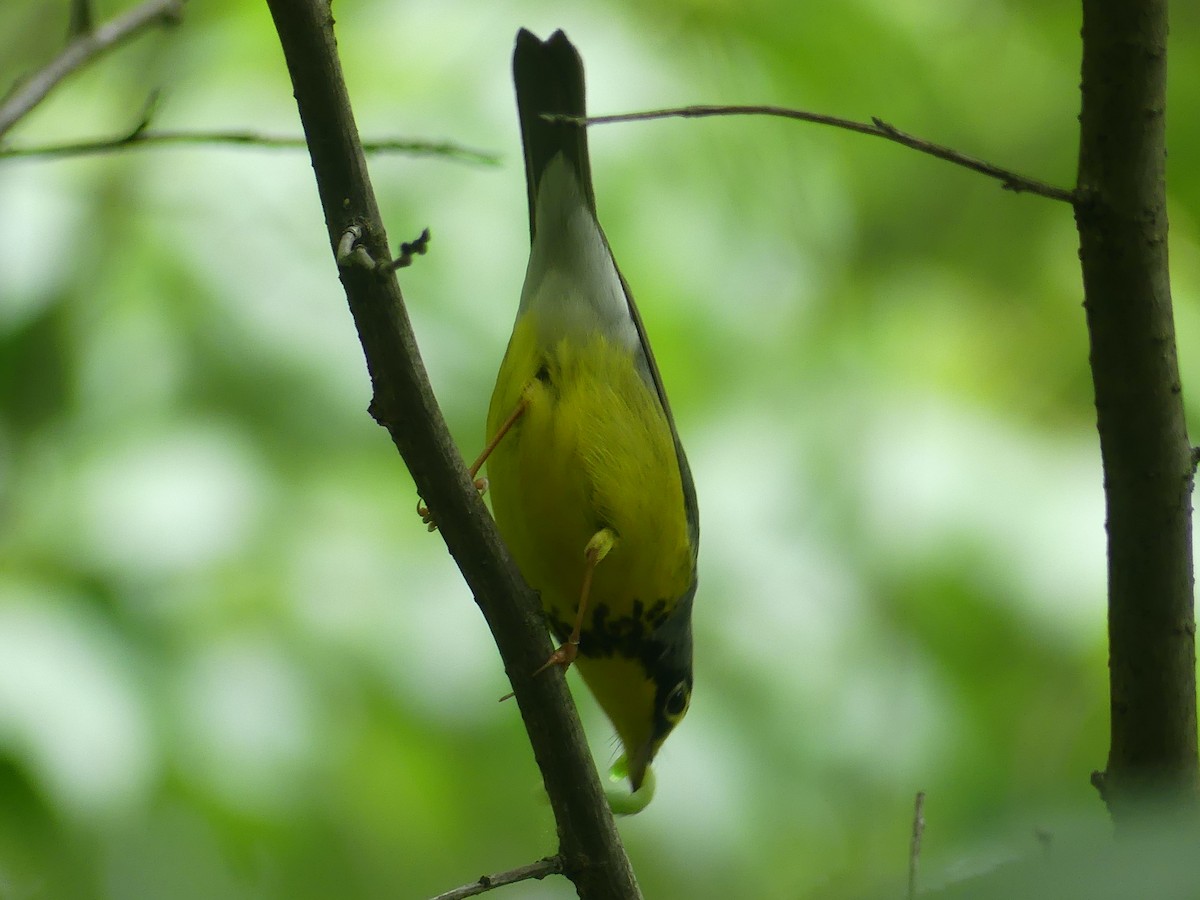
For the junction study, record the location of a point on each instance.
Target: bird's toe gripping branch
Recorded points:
(481, 485)
(597, 548)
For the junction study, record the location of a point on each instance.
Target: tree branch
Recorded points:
(142, 138)
(82, 50)
(1121, 215)
(593, 857)
(551, 865)
(1010, 181)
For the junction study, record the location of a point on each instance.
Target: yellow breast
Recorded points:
(592, 450)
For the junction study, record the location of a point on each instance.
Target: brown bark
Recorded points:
(1122, 219)
(593, 857)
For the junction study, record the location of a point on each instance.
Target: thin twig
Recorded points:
(81, 51)
(551, 865)
(1010, 181)
(139, 138)
(914, 848)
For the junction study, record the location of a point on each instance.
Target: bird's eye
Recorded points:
(677, 702)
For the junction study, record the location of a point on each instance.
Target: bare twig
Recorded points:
(81, 51)
(914, 847)
(142, 138)
(1010, 181)
(551, 865)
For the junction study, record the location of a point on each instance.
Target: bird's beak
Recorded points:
(639, 762)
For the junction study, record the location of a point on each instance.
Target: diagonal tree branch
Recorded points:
(403, 402)
(1010, 181)
(82, 50)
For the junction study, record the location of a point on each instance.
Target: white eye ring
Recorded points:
(677, 701)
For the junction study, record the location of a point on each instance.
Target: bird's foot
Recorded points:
(481, 485)
(563, 656)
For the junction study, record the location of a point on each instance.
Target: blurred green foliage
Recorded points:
(232, 663)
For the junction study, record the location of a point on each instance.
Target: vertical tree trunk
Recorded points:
(1122, 219)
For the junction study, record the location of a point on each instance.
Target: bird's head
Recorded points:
(644, 685)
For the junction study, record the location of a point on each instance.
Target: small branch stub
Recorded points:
(352, 254)
(408, 250)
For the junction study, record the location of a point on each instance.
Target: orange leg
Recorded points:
(597, 548)
(481, 484)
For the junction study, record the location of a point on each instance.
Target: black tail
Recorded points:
(549, 79)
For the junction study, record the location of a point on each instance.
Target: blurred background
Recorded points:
(233, 663)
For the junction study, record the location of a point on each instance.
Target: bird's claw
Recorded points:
(426, 515)
(563, 656)
(481, 485)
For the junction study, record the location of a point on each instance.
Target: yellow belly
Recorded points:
(592, 450)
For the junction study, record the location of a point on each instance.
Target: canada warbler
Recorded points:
(590, 486)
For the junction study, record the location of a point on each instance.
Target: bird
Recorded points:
(590, 487)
